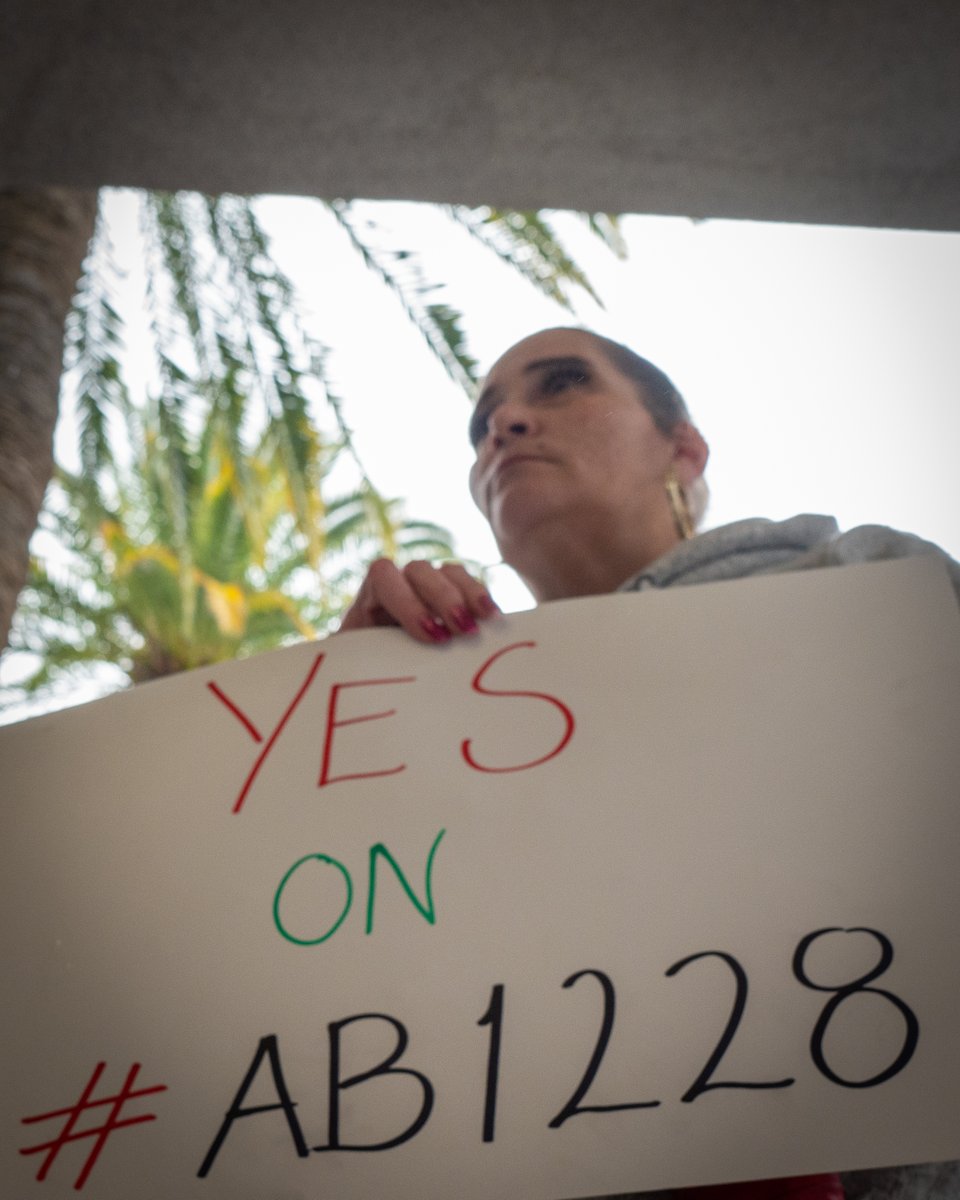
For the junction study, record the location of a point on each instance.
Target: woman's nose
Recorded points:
(508, 421)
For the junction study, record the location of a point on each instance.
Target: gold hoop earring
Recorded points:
(679, 505)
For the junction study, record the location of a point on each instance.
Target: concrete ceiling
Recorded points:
(827, 111)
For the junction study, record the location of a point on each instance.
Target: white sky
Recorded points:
(821, 363)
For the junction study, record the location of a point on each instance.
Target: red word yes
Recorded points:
(477, 685)
(334, 721)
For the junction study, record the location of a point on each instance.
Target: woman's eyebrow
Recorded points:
(567, 360)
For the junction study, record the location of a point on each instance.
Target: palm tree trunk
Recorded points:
(44, 234)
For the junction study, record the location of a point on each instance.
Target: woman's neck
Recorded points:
(563, 561)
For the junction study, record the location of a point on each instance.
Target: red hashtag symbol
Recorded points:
(101, 1132)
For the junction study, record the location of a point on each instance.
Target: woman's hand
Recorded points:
(433, 604)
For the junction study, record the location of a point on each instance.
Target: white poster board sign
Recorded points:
(621, 894)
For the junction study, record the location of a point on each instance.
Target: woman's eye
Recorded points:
(563, 377)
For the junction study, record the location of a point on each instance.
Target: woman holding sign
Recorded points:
(590, 473)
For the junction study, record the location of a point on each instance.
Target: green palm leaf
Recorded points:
(401, 271)
(526, 243)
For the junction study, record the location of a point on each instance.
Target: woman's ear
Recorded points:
(690, 453)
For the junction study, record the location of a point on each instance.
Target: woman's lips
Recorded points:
(509, 465)
(513, 460)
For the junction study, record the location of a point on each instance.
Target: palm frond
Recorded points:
(178, 243)
(93, 342)
(400, 270)
(526, 243)
(606, 226)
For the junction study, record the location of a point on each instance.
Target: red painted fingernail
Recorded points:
(433, 629)
(488, 605)
(464, 620)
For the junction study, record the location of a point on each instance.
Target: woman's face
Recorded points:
(562, 436)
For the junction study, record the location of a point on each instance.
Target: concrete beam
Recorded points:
(827, 111)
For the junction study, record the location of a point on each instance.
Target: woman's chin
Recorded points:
(521, 523)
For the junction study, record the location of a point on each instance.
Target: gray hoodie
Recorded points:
(758, 547)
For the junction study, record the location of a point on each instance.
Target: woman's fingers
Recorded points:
(386, 598)
(433, 604)
(476, 598)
